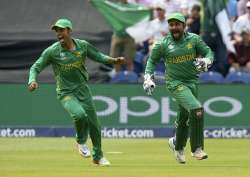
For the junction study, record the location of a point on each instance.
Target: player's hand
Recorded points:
(118, 60)
(33, 86)
(148, 84)
(202, 64)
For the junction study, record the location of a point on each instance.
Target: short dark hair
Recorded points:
(159, 8)
(196, 7)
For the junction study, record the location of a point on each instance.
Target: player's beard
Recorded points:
(62, 42)
(176, 34)
(61, 39)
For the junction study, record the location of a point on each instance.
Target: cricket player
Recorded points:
(67, 57)
(185, 56)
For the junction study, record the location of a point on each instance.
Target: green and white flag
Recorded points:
(124, 17)
(223, 23)
(216, 11)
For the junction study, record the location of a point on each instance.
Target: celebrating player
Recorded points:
(182, 52)
(67, 57)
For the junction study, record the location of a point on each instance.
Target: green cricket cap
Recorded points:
(177, 16)
(62, 23)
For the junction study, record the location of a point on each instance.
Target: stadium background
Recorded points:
(122, 108)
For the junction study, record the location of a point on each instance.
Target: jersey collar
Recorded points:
(76, 45)
(181, 39)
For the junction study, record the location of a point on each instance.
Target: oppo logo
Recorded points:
(161, 107)
(236, 106)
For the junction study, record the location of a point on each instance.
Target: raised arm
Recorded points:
(94, 54)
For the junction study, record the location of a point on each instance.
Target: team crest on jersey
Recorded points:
(180, 88)
(189, 46)
(170, 46)
(66, 98)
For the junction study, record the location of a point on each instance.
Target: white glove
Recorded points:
(148, 84)
(202, 64)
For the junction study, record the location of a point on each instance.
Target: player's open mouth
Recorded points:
(176, 32)
(60, 38)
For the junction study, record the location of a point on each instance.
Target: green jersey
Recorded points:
(178, 56)
(68, 66)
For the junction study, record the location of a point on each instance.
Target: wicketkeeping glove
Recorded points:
(202, 64)
(148, 84)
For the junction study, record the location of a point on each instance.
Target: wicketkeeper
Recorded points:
(68, 57)
(185, 55)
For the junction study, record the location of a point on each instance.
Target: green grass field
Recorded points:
(57, 157)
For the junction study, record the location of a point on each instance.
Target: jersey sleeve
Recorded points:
(154, 58)
(39, 65)
(203, 49)
(94, 54)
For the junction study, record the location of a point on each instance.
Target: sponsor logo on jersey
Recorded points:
(71, 66)
(181, 58)
(77, 53)
(62, 56)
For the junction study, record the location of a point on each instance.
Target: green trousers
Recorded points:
(80, 106)
(190, 121)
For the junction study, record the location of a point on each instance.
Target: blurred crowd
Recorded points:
(200, 19)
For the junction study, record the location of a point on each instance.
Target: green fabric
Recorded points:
(68, 66)
(210, 10)
(62, 23)
(82, 130)
(182, 128)
(196, 123)
(79, 115)
(80, 106)
(187, 121)
(186, 96)
(177, 16)
(178, 57)
(120, 16)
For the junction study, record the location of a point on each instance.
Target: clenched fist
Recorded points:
(118, 60)
(33, 86)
